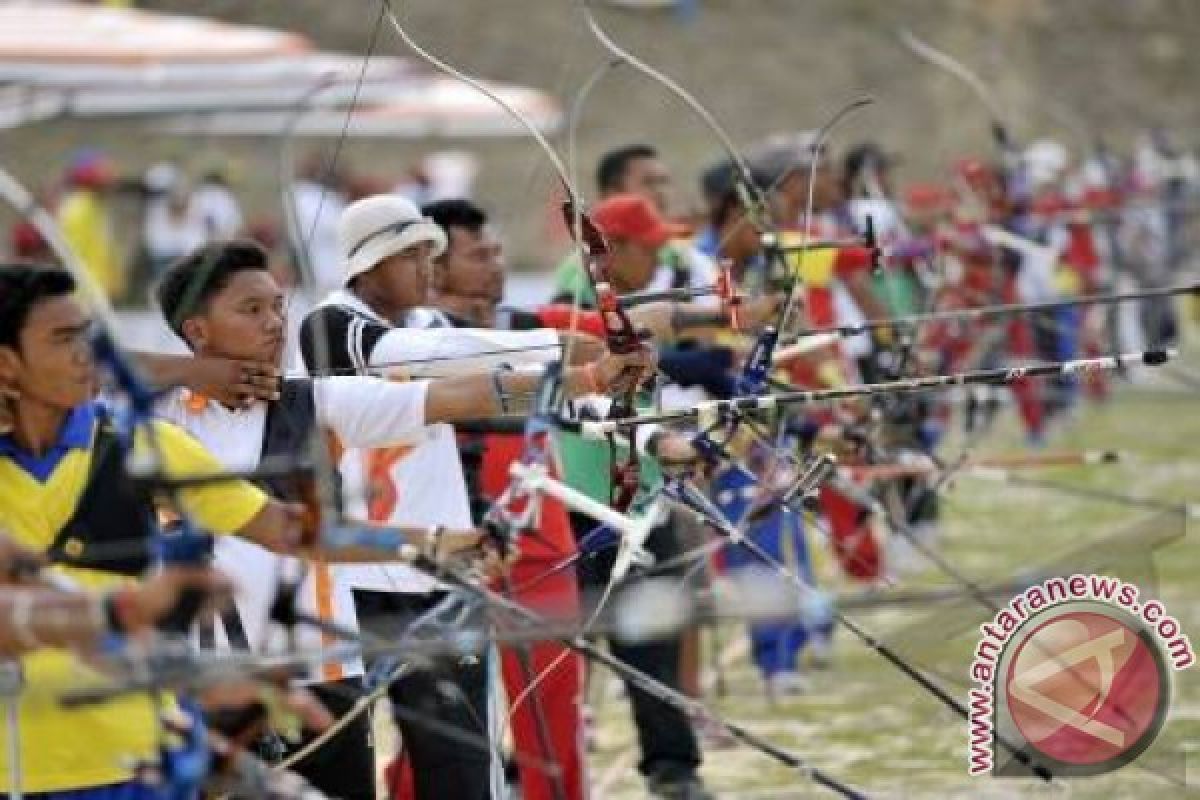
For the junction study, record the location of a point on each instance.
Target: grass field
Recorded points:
(866, 723)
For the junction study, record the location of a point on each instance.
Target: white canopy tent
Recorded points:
(198, 75)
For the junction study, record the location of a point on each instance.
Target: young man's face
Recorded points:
(52, 362)
(650, 178)
(740, 239)
(244, 320)
(633, 264)
(472, 266)
(402, 279)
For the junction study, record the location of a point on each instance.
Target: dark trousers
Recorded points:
(344, 767)
(665, 736)
(450, 695)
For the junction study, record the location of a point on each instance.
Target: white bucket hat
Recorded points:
(371, 229)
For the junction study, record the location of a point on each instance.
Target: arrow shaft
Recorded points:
(716, 409)
(1002, 310)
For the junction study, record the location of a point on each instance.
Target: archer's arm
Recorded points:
(232, 382)
(33, 618)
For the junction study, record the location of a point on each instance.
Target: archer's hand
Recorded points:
(658, 318)
(145, 604)
(18, 565)
(234, 383)
(755, 312)
(674, 450)
(474, 548)
(621, 371)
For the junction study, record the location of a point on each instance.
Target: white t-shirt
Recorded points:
(883, 217)
(700, 272)
(422, 485)
(360, 411)
(167, 235)
(215, 209)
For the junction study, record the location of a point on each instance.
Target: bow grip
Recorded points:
(871, 241)
(707, 449)
(621, 337)
(184, 546)
(500, 533)
(753, 380)
(727, 292)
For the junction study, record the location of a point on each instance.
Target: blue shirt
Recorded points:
(706, 241)
(75, 434)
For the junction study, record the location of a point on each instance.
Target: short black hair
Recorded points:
(859, 158)
(723, 208)
(23, 286)
(456, 213)
(610, 172)
(719, 183)
(190, 282)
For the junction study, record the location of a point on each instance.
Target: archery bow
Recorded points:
(620, 334)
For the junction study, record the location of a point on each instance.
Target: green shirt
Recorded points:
(571, 284)
(587, 464)
(899, 292)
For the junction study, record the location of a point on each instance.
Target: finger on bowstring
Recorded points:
(260, 368)
(257, 386)
(268, 382)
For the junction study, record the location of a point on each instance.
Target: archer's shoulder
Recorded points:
(180, 448)
(568, 271)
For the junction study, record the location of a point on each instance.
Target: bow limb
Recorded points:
(483, 89)
(602, 36)
(298, 240)
(560, 168)
(753, 196)
(818, 145)
(564, 177)
(576, 112)
(502, 521)
(963, 73)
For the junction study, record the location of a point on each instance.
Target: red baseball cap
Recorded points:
(91, 169)
(633, 217)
